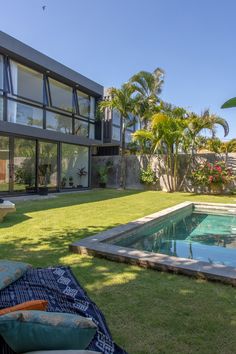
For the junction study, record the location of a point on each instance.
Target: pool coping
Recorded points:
(96, 246)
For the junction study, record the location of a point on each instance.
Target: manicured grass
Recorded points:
(147, 311)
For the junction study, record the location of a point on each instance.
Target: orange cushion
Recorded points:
(40, 305)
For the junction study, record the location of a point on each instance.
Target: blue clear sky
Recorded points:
(194, 41)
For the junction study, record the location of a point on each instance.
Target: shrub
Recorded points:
(148, 176)
(212, 175)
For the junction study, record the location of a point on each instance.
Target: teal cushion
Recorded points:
(64, 352)
(26, 331)
(10, 271)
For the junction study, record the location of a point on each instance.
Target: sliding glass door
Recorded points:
(24, 165)
(4, 164)
(47, 165)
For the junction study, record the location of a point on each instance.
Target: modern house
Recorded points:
(47, 121)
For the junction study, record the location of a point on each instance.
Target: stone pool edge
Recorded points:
(96, 246)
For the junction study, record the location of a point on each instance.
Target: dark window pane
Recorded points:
(81, 128)
(116, 117)
(74, 166)
(115, 133)
(1, 72)
(4, 164)
(59, 123)
(26, 82)
(24, 165)
(84, 104)
(92, 131)
(1, 108)
(24, 114)
(61, 95)
(92, 108)
(47, 166)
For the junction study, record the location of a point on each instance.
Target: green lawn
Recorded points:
(147, 311)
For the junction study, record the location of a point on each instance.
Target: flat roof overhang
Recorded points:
(27, 55)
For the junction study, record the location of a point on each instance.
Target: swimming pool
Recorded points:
(209, 237)
(197, 239)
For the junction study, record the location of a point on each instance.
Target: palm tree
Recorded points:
(122, 100)
(148, 87)
(172, 130)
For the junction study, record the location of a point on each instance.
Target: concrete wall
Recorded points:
(134, 163)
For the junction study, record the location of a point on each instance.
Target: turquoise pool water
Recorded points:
(195, 235)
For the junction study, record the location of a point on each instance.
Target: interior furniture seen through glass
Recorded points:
(24, 165)
(74, 166)
(4, 164)
(47, 165)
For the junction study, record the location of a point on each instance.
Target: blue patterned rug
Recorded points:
(64, 294)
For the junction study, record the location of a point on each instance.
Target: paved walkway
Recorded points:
(39, 197)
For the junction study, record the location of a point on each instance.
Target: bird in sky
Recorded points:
(44, 7)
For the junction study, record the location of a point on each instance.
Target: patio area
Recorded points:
(166, 312)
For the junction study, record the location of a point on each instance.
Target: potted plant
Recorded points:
(24, 175)
(44, 178)
(71, 182)
(103, 174)
(81, 172)
(63, 182)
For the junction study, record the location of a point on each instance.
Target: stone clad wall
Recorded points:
(134, 163)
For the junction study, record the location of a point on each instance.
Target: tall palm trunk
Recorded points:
(122, 155)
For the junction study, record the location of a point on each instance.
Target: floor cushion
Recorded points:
(10, 271)
(39, 330)
(40, 305)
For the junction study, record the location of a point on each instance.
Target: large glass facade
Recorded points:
(61, 95)
(26, 82)
(24, 114)
(74, 166)
(58, 122)
(4, 163)
(115, 133)
(47, 165)
(1, 72)
(24, 165)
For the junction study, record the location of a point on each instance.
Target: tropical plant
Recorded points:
(81, 173)
(103, 171)
(147, 87)
(148, 176)
(215, 176)
(221, 147)
(174, 131)
(122, 100)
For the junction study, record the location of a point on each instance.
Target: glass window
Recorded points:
(58, 122)
(116, 117)
(84, 104)
(24, 165)
(1, 108)
(4, 164)
(61, 95)
(26, 82)
(47, 165)
(128, 136)
(92, 108)
(24, 114)
(115, 133)
(81, 128)
(74, 166)
(1, 72)
(92, 131)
